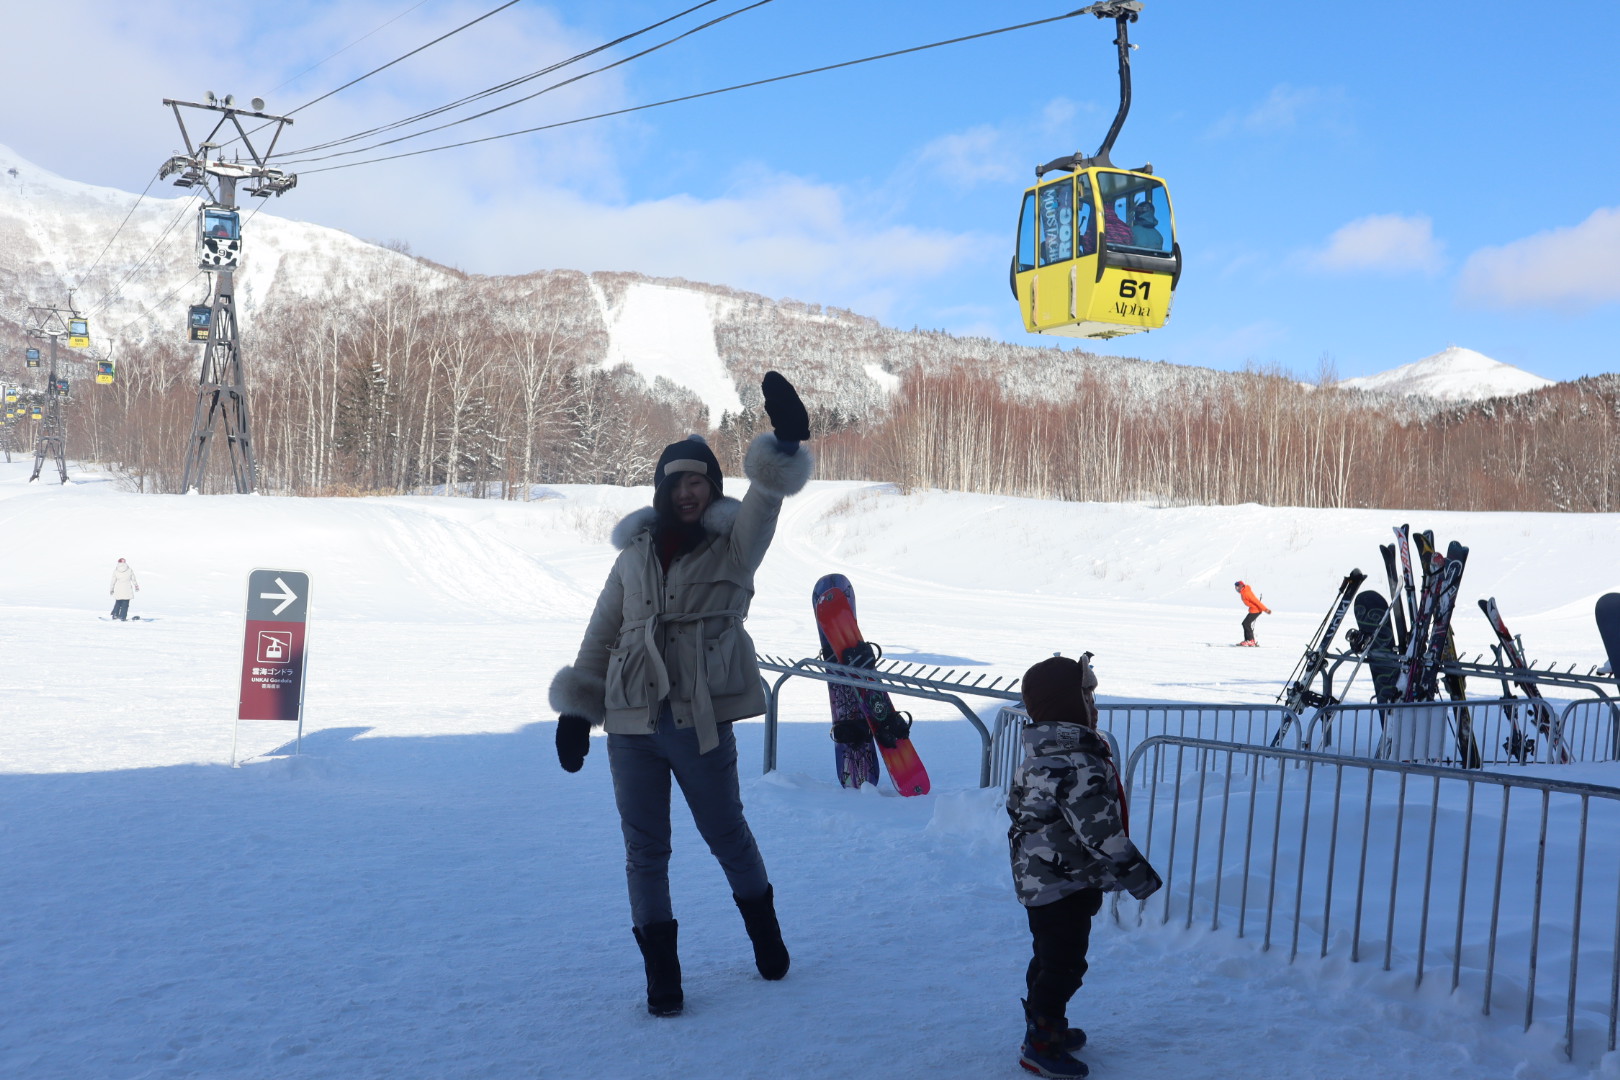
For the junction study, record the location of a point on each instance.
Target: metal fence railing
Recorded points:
(1506, 881)
(1129, 724)
(1591, 727)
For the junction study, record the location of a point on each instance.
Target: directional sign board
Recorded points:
(273, 646)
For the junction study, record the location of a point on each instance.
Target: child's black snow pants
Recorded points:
(1062, 934)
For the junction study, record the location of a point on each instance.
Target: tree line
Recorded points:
(491, 387)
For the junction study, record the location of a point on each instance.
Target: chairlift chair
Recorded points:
(1097, 255)
(219, 238)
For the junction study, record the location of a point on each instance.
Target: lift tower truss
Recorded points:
(50, 441)
(222, 385)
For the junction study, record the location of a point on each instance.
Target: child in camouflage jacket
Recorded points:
(1069, 845)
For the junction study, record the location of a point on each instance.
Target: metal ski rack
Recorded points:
(896, 678)
(1592, 682)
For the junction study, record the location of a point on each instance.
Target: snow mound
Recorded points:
(1453, 374)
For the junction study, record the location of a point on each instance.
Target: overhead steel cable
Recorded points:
(407, 56)
(185, 208)
(347, 47)
(508, 85)
(290, 159)
(694, 97)
(149, 311)
(384, 67)
(85, 277)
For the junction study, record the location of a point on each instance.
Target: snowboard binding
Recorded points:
(851, 732)
(891, 727)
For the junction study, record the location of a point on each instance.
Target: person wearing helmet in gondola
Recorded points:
(1256, 609)
(665, 667)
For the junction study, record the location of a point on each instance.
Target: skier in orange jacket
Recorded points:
(1256, 609)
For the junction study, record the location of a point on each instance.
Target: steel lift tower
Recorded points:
(222, 386)
(53, 324)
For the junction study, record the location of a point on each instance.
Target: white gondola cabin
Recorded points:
(219, 238)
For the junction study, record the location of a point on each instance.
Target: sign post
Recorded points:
(273, 650)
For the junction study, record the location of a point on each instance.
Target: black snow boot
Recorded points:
(759, 916)
(663, 963)
(1043, 1052)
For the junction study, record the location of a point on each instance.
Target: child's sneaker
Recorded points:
(1046, 1049)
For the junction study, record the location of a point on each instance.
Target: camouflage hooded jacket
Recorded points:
(1068, 823)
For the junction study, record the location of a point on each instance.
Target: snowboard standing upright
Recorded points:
(835, 616)
(854, 752)
(1376, 642)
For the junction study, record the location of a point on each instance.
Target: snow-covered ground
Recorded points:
(424, 893)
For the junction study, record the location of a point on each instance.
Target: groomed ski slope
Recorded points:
(423, 893)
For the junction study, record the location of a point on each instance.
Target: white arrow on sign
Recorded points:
(286, 596)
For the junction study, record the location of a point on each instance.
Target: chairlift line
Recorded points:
(546, 90)
(508, 85)
(706, 93)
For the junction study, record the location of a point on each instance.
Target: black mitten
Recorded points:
(787, 412)
(573, 741)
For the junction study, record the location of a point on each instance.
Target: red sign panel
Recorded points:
(273, 646)
(272, 671)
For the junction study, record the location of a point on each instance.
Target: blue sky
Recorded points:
(1366, 183)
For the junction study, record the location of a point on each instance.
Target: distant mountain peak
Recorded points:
(1452, 374)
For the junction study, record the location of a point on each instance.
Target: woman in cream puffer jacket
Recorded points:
(666, 666)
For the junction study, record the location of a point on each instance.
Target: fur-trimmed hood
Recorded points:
(717, 521)
(766, 464)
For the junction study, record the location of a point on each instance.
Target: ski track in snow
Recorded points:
(424, 893)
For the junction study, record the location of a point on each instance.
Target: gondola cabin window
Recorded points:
(1056, 221)
(1136, 213)
(221, 224)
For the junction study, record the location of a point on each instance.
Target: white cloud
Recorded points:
(556, 199)
(1390, 243)
(1006, 154)
(1573, 268)
(969, 158)
(1283, 110)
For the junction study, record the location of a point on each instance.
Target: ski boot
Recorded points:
(1044, 1052)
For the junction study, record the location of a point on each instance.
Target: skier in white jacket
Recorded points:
(123, 590)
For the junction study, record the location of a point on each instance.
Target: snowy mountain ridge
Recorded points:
(1453, 374)
(709, 341)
